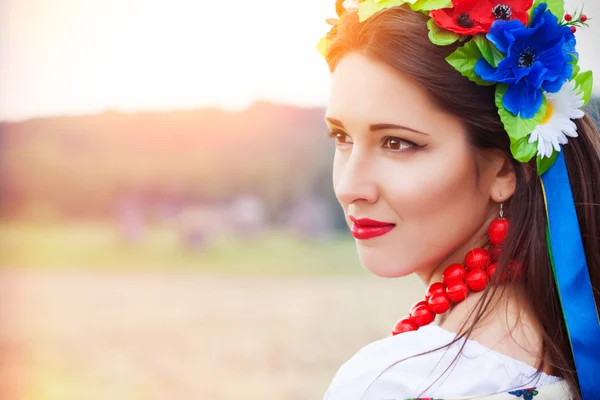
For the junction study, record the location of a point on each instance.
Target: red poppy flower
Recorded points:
(470, 17)
(511, 9)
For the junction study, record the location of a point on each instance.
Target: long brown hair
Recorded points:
(399, 37)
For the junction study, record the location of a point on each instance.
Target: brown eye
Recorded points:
(340, 137)
(343, 138)
(397, 144)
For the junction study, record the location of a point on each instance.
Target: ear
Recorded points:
(504, 179)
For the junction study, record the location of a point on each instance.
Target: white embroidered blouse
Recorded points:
(479, 371)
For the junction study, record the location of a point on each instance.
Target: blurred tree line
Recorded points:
(82, 166)
(73, 167)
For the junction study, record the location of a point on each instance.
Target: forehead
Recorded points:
(370, 91)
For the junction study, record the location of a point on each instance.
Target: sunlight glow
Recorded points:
(82, 56)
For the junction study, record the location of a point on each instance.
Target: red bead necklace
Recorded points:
(474, 274)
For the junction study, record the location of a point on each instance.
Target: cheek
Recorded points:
(337, 168)
(339, 163)
(439, 189)
(439, 208)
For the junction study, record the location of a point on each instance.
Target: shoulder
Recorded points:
(365, 368)
(411, 363)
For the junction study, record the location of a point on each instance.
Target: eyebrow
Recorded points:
(377, 127)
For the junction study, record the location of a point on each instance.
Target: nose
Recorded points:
(354, 178)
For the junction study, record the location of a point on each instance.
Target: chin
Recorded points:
(383, 263)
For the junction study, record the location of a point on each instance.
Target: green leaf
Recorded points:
(557, 7)
(464, 60)
(536, 3)
(575, 63)
(544, 164)
(430, 5)
(440, 36)
(367, 8)
(585, 83)
(517, 127)
(522, 150)
(576, 69)
(491, 54)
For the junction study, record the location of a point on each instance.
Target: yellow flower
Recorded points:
(323, 45)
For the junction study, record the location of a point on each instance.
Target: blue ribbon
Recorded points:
(572, 278)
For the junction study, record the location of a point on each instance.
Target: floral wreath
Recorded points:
(523, 48)
(526, 49)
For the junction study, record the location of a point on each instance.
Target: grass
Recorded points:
(100, 335)
(99, 246)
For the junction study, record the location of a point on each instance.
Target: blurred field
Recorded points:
(255, 322)
(99, 246)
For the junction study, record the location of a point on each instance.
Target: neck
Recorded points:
(479, 239)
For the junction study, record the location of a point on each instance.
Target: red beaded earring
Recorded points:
(498, 229)
(474, 275)
(497, 233)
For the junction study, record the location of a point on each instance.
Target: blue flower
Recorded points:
(538, 58)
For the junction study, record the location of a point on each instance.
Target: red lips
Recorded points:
(366, 228)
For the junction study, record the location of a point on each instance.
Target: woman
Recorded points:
(457, 128)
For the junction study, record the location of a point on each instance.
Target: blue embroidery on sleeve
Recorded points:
(526, 394)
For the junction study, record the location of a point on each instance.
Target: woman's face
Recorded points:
(401, 161)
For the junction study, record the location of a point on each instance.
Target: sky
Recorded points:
(74, 57)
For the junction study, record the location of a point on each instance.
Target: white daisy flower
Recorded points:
(557, 124)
